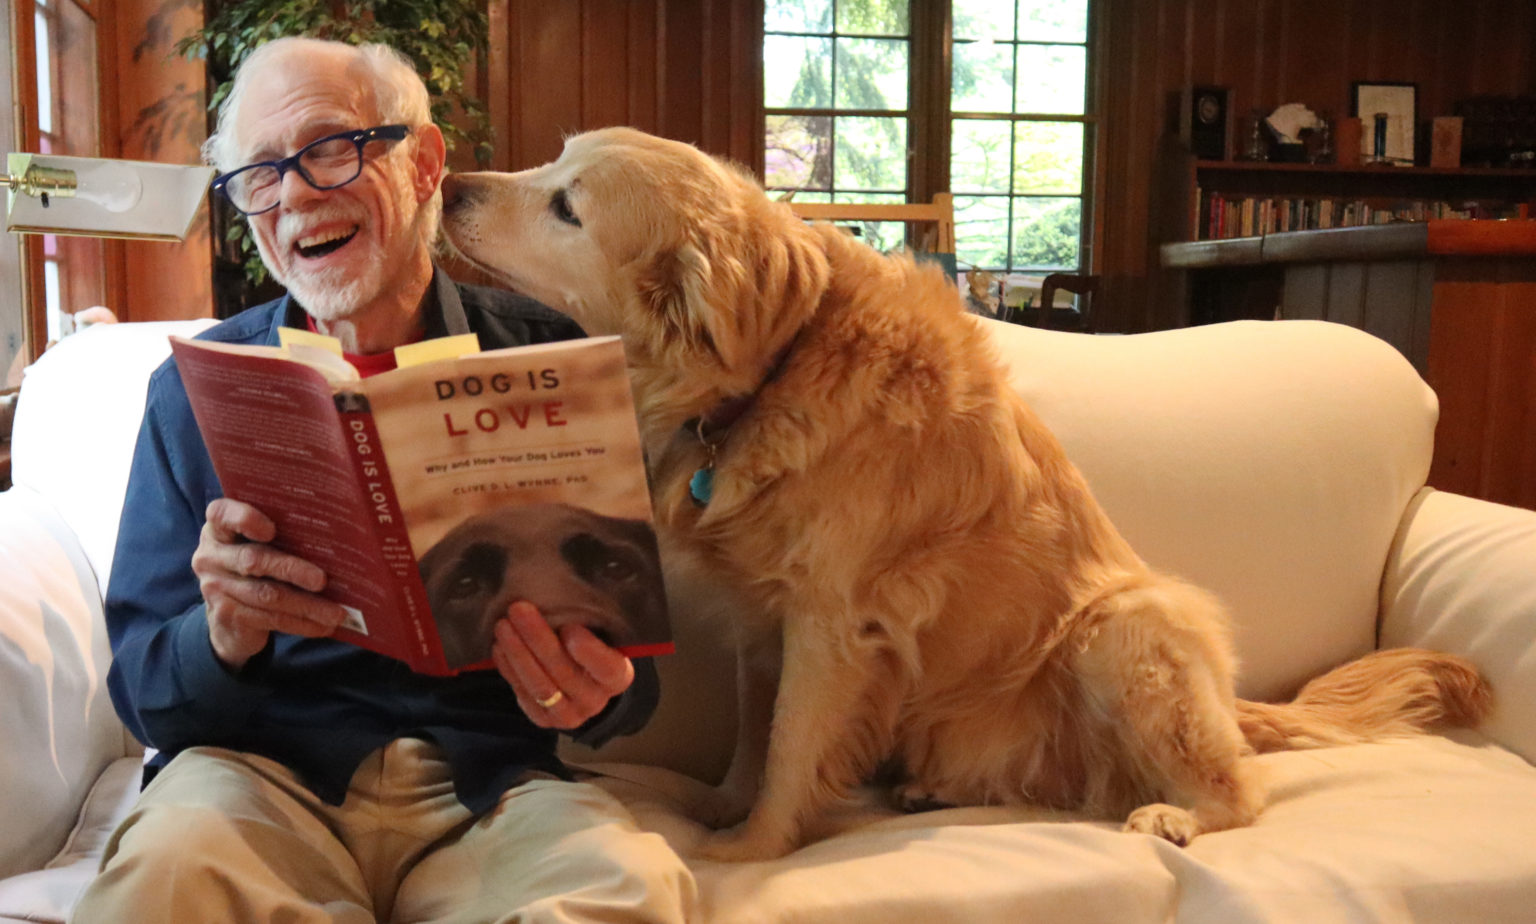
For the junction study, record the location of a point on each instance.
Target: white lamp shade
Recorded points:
(116, 198)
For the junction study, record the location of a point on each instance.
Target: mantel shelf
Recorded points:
(1372, 170)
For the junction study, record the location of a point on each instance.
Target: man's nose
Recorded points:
(295, 190)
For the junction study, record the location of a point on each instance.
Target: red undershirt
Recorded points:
(368, 364)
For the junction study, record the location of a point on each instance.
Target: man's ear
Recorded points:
(431, 158)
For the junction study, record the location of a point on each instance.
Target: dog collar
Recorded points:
(712, 427)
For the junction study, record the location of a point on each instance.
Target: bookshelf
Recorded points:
(1230, 199)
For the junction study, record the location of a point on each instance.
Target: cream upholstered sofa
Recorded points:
(1281, 464)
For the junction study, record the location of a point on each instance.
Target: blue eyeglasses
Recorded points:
(324, 163)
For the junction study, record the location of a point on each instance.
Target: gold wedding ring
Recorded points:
(552, 700)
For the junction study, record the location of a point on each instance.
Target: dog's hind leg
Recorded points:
(833, 722)
(1153, 658)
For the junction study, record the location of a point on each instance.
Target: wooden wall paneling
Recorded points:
(160, 114)
(643, 102)
(604, 57)
(496, 78)
(1462, 338)
(546, 52)
(1509, 462)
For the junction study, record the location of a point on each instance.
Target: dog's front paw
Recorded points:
(741, 845)
(1168, 822)
(913, 798)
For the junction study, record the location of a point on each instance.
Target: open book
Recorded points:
(436, 494)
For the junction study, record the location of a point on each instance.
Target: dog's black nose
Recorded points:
(459, 192)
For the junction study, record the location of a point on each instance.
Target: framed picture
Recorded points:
(1387, 113)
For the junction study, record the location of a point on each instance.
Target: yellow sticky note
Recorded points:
(292, 336)
(426, 351)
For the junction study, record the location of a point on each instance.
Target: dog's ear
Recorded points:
(674, 287)
(740, 283)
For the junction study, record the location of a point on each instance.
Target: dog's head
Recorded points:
(576, 566)
(681, 254)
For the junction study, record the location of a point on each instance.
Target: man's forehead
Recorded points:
(294, 101)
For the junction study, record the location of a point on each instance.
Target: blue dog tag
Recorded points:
(701, 486)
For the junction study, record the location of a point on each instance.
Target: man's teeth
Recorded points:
(325, 237)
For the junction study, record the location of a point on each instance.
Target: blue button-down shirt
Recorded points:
(315, 705)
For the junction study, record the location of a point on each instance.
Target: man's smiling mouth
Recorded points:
(318, 245)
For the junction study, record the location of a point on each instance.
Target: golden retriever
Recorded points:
(829, 432)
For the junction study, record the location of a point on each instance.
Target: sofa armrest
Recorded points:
(57, 723)
(1461, 577)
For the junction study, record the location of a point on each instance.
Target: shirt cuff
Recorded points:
(213, 689)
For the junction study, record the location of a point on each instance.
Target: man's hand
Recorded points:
(561, 679)
(252, 589)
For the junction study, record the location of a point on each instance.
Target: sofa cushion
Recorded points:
(77, 421)
(1269, 461)
(51, 893)
(58, 723)
(1460, 579)
(1425, 829)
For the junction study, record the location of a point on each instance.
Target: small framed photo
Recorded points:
(1388, 113)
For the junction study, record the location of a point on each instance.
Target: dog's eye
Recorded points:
(596, 560)
(561, 206)
(463, 587)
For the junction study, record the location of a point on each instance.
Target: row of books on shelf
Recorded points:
(1248, 216)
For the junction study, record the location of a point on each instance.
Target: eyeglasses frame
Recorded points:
(359, 137)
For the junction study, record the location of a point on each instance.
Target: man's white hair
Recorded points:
(399, 95)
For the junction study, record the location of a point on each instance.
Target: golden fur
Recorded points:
(940, 582)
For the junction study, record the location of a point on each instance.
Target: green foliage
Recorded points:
(440, 36)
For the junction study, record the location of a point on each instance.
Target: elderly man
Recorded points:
(298, 778)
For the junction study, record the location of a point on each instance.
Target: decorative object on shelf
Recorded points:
(1346, 142)
(1498, 131)
(99, 197)
(1388, 113)
(1445, 142)
(1251, 143)
(1203, 121)
(1319, 141)
(1290, 124)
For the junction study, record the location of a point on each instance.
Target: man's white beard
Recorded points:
(334, 293)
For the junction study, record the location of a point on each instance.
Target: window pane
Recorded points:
(981, 231)
(1053, 21)
(982, 19)
(873, 17)
(797, 72)
(1047, 232)
(870, 153)
(982, 78)
(871, 74)
(797, 15)
(1048, 157)
(798, 152)
(979, 155)
(1052, 78)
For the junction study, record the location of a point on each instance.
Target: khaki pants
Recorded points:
(221, 836)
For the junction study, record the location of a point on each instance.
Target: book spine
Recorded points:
(426, 655)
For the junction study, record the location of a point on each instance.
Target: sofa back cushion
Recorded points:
(77, 421)
(57, 723)
(1269, 461)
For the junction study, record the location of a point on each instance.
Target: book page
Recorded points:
(520, 476)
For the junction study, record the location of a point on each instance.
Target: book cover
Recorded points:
(436, 494)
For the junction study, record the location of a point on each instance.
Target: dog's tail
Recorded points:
(1386, 694)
